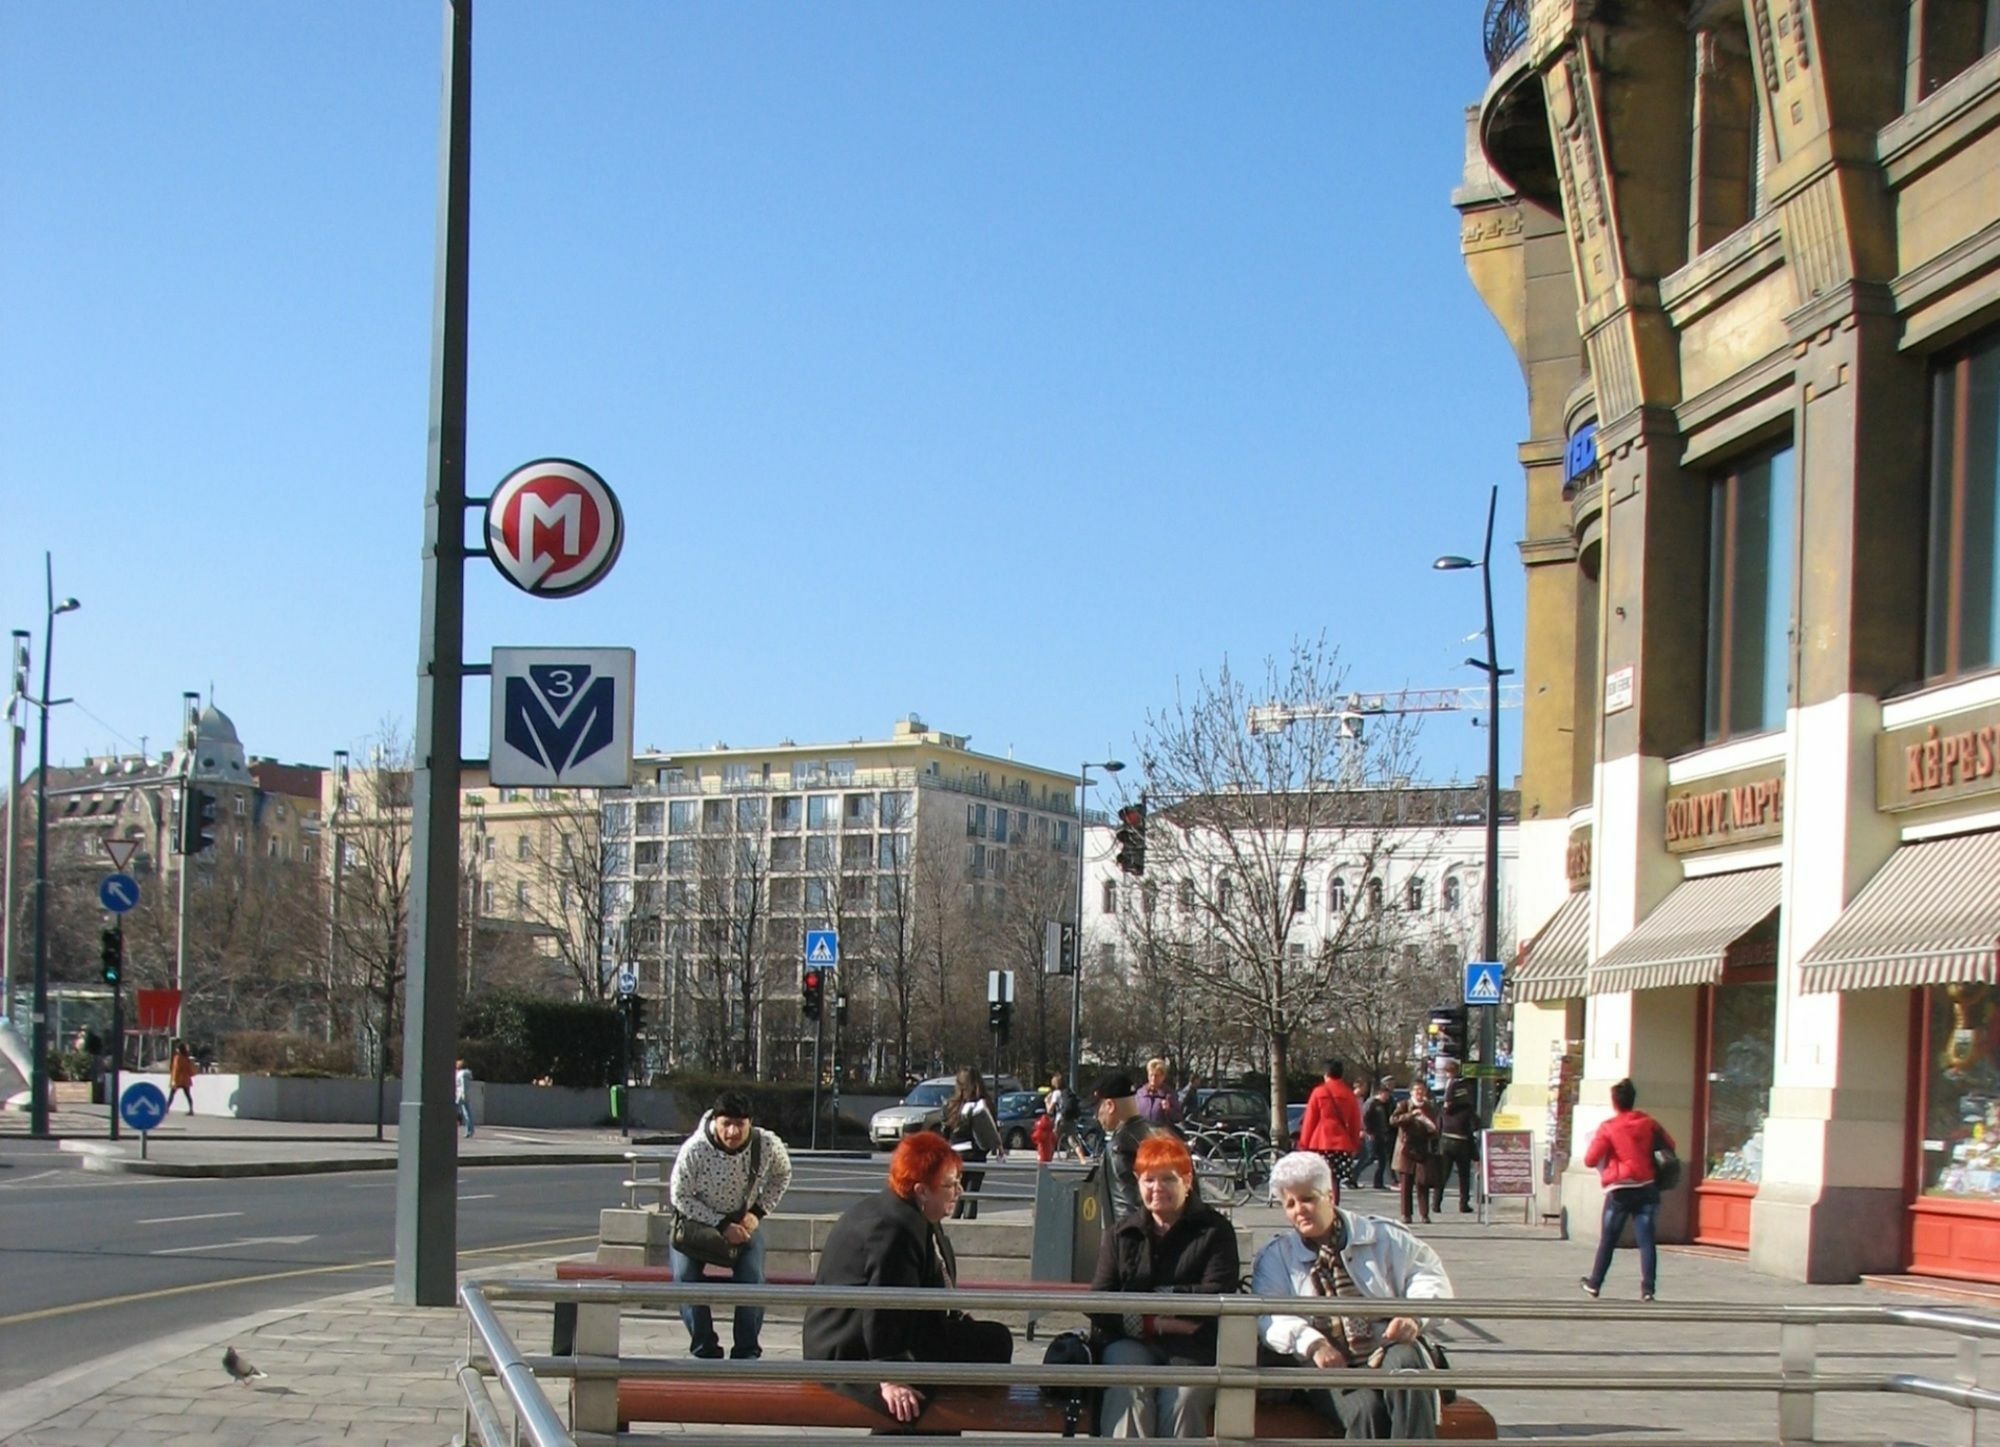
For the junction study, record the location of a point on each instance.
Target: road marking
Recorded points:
(228, 1245)
(489, 1196)
(169, 1220)
(48, 1312)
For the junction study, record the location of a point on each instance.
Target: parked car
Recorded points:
(1018, 1110)
(1229, 1109)
(922, 1109)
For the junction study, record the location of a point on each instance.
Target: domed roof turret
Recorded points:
(212, 723)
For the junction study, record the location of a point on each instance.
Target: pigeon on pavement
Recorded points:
(239, 1367)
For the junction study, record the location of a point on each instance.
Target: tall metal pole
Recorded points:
(17, 734)
(1076, 959)
(427, 1142)
(1490, 942)
(190, 744)
(38, 1087)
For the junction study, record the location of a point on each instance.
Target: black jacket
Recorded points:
(1460, 1116)
(880, 1241)
(1197, 1257)
(1375, 1119)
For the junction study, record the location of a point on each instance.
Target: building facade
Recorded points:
(1748, 255)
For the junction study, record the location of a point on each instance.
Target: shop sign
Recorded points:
(1576, 863)
(1618, 690)
(1729, 809)
(1932, 763)
(1507, 1162)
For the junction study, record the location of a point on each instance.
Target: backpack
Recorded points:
(1071, 1349)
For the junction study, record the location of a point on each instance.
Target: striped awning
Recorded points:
(1930, 916)
(1686, 940)
(1555, 964)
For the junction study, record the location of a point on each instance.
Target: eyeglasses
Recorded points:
(954, 1184)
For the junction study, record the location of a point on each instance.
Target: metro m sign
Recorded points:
(553, 528)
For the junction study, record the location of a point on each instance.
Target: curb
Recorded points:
(99, 1157)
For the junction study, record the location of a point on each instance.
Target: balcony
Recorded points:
(1506, 31)
(1513, 115)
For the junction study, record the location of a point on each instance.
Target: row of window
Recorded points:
(1414, 895)
(788, 854)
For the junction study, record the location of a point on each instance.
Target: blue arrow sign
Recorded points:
(823, 948)
(1483, 981)
(118, 892)
(143, 1106)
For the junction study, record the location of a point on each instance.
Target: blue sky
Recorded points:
(998, 362)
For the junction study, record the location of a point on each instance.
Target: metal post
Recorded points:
(117, 1029)
(833, 1079)
(1076, 959)
(17, 732)
(426, 1142)
(38, 1100)
(190, 712)
(1490, 943)
(819, 1040)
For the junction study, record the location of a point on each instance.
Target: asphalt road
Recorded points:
(91, 1264)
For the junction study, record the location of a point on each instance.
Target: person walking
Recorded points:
(969, 1125)
(180, 1076)
(1416, 1144)
(1458, 1143)
(462, 1096)
(1060, 1107)
(728, 1177)
(1331, 1125)
(1125, 1130)
(1381, 1135)
(1622, 1153)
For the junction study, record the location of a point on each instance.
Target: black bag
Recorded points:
(1071, 1349)
(1446, 1396)
(705, 1243)
(1666, 1165)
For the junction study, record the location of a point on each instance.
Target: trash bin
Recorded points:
(618, 1103)
(97, 1090)
(1068, 1224)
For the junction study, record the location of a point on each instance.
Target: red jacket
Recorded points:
(1332, 1120)
(1622, 1149)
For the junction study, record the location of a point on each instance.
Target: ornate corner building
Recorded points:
(1748, 255)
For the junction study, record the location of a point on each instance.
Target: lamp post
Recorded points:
(1490, 907)
(38, 1118)
(1110, 766)
(17, 733)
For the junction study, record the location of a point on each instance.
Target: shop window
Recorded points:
(1742, 1028)
(1962, 632)
(1961, 1144)
(1749, 595)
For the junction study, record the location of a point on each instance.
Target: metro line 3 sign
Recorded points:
(1738, 808)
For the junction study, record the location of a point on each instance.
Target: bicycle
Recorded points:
(1231, 1166)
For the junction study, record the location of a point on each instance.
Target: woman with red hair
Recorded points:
(896, 1238)
(1172, 1243)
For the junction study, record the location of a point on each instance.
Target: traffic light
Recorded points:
(635, 1014)
(1066, 951)
(811, 989)
(1445, 1034)
(111, 950)
(840, 1008)
(197, 822)
(19, 687)
(1000, 1017)
(1131, 838)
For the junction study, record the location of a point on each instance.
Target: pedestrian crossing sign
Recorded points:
(823, 948)
(1483, 979)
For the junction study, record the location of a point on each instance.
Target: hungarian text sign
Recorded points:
(1507, 1162)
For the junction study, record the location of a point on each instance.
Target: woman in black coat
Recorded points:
(896, 1239)
(1172, 1243)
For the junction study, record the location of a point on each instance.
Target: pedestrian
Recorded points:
(462, 1097)
(1332, 1125)
(728, 1176)
(1188, 1093)
(1458, 1142)
(1375, 1124)
(1623, 1153)
(1060, 1107)
(1173, 1243)
(1416, 1147)
(1125, 1130)
(180, 1075)
(1156, 1100)
(896, 1238)
(969, 1125)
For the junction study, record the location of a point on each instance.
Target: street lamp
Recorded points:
(1110, 766)
(1490, 666)
(38, 1108)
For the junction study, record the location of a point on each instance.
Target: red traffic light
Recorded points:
(1132, 816)
(812, 981)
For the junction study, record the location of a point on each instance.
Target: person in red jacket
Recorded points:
(1332, 1125)
(1622, 1153)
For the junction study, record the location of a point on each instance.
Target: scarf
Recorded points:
(1330, 1277)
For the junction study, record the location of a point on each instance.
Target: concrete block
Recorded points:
(625, 1256)
(619, 1226)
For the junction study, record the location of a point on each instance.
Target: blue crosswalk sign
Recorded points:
(823, 948)
(1483, 981)
(142, 1106)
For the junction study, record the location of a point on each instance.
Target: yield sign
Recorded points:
(121, 852)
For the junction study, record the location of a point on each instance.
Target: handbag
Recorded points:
(704, 1243)
(1071, 1349)
(1446, 1396)
(1666, 1165)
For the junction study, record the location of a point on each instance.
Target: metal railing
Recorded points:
(843, 1174)
(595, 1367)
(1505, 31)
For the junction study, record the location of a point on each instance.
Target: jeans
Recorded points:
(465, 1115)
(1641, 1206)
(1151, 1411)
(1385, 1151)
(700, 1322)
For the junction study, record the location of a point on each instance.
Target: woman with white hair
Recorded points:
(1328, 1254)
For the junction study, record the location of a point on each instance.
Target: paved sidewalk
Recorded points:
(357, 1369)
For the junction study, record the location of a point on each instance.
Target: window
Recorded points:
(647, 854)
(896, 810)
(819, 809)
(749, 814)
(509, 796)
(487, 845)
(542, 796)
(650, 817)
(521, 849)
(521, 894)
(857, 851)
(975, 821)
(808, 771)
(271, 848)
(1336, 896)
(999, 826)
(854, 890)
(815, 896)
(1222, 895)
(857, 811)
(785, 892)
(785, 853)
(1295, 956)
(1184, 896)
(1962, 632)
(1749, 595)
(1375, 895)
(1299, 896)
(840, 771)
(892, 851)
(735, 776)
(486, 898)
(1110, 905)
(680, 856)
(1451, 894)
(1107, 956)
(1062, 836)
(787, 810)
(680, 816)
(714, 816)
(819, 853)
(975, 859)
(1413, 893)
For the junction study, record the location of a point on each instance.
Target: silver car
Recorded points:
(921, 1109)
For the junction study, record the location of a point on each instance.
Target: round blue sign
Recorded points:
(118, 892)
(143, 1106)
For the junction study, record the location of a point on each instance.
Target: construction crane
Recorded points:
(1352, 711)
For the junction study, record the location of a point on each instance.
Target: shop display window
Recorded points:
(1742, 1028)
(1961, 1145)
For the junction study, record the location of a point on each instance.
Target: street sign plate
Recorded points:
(823, 948)
(628, 981)
(561, 717)
(121, 852)
(1484, 980)
(999, 987)
(143, 1106)
(118, 892)
(553, 528)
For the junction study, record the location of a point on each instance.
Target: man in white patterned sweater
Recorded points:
(729, 1174)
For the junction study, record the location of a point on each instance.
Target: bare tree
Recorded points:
(1040, 891)
(1244, 822)
(896, 958)
(570, 871)
(371, 917)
